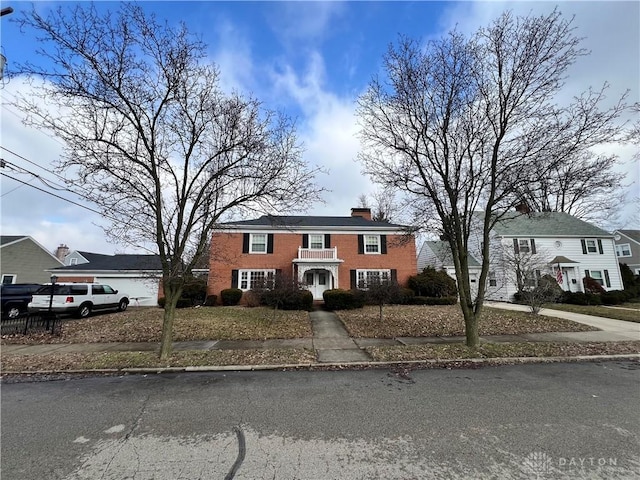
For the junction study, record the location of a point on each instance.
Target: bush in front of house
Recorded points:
(615, 297)
(591, 285)
(581, 298)
(338, 299)
(211, 301)
(182, 302)
(433, 283)
(419, 300)
(230, 296)
(287, 299)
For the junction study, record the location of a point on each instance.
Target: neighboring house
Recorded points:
(321, 252)
(552, 243)
(137, 275)
(628, 248)
(23, 260)
(437, 254)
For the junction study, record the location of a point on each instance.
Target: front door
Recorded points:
(317, 282)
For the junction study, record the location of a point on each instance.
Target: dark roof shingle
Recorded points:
(116, 262)
(288, 221)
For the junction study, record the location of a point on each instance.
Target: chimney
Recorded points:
(361, 212)
(61, 252)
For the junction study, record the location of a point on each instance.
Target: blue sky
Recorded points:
(311, 60)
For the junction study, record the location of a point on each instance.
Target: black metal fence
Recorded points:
(30, 322)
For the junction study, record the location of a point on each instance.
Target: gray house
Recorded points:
(23, 260)
(628, 248)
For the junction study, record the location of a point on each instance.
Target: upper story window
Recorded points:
(493, 281)
(372, 244)
(591, 245)
(623, 250)
(316, 241)
(523, 245)
(73, 261)
(258, 243)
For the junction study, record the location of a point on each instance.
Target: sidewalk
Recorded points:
(333, 344)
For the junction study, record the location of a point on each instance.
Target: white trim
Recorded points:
(595, 246)
(364, 271)
(13, 280)
(247, 272)
(266, 243)
(330, 230)
(378, 244)
(621, 246)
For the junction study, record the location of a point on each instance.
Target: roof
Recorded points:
(546, 224)
(119, 262)
(443, 252)
(6, 239)
(287, 221)
(632, 234)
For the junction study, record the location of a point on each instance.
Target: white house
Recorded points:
(558, 244)
(437, 254)
(628, 248)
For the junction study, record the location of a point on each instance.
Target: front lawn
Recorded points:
(205, 323)
(631, 315)
(447, 320)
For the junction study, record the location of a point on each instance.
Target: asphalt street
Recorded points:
(549, 421)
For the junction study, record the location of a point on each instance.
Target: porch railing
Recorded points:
(317, 253)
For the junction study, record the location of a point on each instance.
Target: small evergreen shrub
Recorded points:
(338, 299)
(211, 300)
(614, 297)
(581, 298)
(293, 300)
(182, 302)
(433, 283)
(230, 296)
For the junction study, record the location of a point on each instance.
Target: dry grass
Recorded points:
(206, 323)
(117, 360)
(447, 320)
(499, 350)
(629, 312)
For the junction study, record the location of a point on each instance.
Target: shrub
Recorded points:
(614, 297)
(211, 300)
(230, 296)
(418, 300)
(338, 299)
(293, 300)
(629, 280)
(182, 302)
(592, 286)
(402, 296)
(432, 283)
(581, 298)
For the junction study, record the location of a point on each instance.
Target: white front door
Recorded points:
(317, 282)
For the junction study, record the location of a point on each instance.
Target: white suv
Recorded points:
(78, 298)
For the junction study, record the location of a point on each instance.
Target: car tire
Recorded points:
(85, 310)
(122, 306)
(13, 311)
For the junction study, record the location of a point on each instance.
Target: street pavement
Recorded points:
(544, 421)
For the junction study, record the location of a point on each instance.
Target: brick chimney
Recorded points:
(361, 212)
(61, 252)
(522, 207)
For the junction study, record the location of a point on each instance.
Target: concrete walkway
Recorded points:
(333, 344)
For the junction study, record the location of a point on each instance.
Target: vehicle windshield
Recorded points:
(62, 290)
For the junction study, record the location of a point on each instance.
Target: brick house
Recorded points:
(320, 252)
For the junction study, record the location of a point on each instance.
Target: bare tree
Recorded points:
(384, 205)
(152, 138)
(466, 124)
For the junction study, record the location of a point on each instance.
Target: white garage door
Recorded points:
(142, 292)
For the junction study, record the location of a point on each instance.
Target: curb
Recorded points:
(449, 363)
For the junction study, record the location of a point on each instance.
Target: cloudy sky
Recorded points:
(311, 60)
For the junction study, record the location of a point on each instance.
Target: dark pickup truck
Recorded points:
(14, 298)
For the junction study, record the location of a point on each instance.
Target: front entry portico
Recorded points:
(317, 281)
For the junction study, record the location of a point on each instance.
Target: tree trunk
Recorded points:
(171, 296)
(381, 313)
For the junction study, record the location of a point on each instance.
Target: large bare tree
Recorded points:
(151, 137)
(465, 124)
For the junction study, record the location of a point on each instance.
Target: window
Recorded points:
(367, 277)
(493, 282)
(597, 276)
(623, 250)
(8, 279)
(73, 261)
(523, 245)
(258, 243)
(109, 290)
(316, 241)
(248, 279)
(591, 245)
(372, 244)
